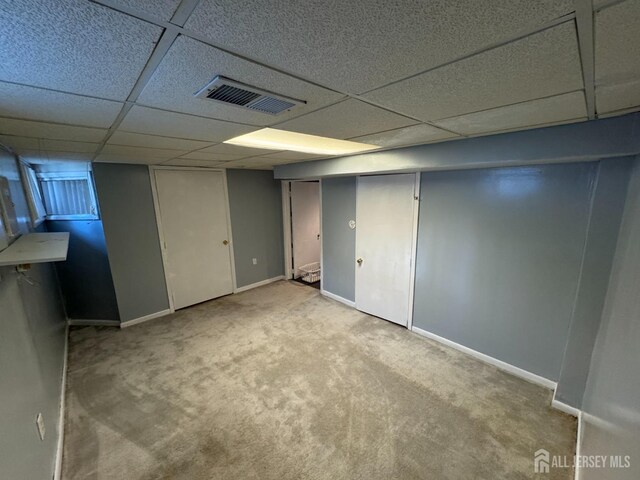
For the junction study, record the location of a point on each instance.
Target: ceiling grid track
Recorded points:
(586, 44)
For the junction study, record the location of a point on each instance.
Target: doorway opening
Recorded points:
(301, 200)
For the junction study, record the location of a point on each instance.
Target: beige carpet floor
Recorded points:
(282, 383)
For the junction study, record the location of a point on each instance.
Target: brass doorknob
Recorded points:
(225, 242)
(359, 261)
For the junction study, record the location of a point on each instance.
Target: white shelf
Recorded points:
(36, 248)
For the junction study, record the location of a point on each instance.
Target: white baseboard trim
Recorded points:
(507, 367)
(578, 445)
(74, 322)
(563, 407)
(259, 284)
(146, 318)
(57, 472)
(338, 298)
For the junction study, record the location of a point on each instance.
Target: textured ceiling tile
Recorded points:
(617, 34)
(154, 141)
(31, 103)
(189, 162)
(257, 163)
(347, 119)
(538, 66)
(190, 65)
(228, 149)
(169, 124)
(39, 156)
(536, 112)
(610, 98)
(210, 156)
(26, 128)
(357, 46)
(27, 143)
(112, 158)
(73, 45)
(413, 135)
(162, 9)
(141, 152)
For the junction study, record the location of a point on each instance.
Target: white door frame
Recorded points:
(156, 207)
(414, 243)
(286, 225)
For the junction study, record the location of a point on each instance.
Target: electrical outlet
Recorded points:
(255, 261)
(40, 425)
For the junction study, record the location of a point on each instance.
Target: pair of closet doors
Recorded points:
(386, 235)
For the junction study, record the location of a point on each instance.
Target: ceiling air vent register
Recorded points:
(228, 91)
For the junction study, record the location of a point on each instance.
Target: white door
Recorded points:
(385, 243)
(305, 223)
(196, 239)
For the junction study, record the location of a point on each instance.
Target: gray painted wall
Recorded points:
(85, 278)
(255, 203)
(606, 214)
(128, 217)
(498, 258)
(611, 403)
(338, 240)
(32, 339)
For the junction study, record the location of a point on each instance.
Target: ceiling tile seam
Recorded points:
(93, 97)
(622, 111)
(193, 115)
(355, 137)
(183, 12)
(586, 52)
(150, 148)
(508, 105)
(60, 124)
(528, 127)
(519, 36)
(162, 47)
(605, 5)
(132, 12)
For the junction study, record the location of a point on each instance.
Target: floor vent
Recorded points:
(228, 91)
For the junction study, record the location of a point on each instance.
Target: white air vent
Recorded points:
(228, 91)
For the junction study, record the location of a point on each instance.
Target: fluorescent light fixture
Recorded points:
(273, 139)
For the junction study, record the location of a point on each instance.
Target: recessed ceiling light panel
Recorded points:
(273, 139)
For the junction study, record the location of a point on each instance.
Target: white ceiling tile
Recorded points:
(162, 9)
(141, 152)
(39, 156)
(154, 141)
(257, 163)
(189, 162)
(113, 158)
(537, 66)
(617, 35)
(169, 124)
(27, 143)
(210, 156)
(26, 128)
(413, 135)
(228, 149)
(19, 101)
(357, 46)
(73, 45)
(347, 119)
(190, 65)
(536, 112)
(610, 98)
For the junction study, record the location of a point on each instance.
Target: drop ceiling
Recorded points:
(113, 80)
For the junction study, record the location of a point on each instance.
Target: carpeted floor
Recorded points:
(282, 383)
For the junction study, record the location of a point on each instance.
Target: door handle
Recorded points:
(225, 242)
(359, 261)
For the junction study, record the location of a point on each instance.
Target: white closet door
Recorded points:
(385, 239)
(196, 237)
(305, 223)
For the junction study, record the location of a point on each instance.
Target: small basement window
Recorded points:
(68, 195)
